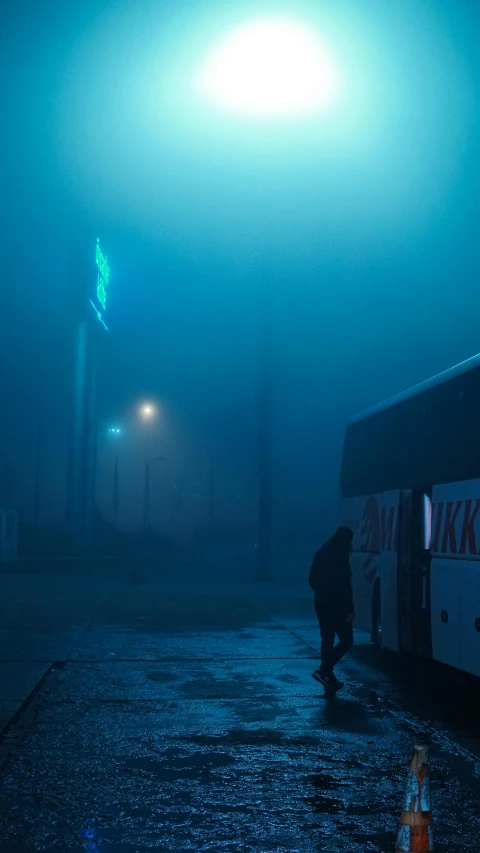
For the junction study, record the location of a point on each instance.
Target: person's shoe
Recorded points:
(328, 681)
(337, 683)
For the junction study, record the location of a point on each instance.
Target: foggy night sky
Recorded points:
(364, 222)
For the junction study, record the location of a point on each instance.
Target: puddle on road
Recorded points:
(251, 737)
(373, 700)
(163, 677)
(103, 840)
(348, 715)
(172, 767)
(320, 804)
(288, 678)
(383, 842)
(238, 686)
(324, 782)
(262, 713)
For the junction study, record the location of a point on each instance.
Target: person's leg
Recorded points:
(344, 631)
(326, 621)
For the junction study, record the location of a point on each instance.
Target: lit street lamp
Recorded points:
(268, 68)
(115, 432)
(147, 411)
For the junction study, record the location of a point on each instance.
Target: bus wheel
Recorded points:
(376, 635)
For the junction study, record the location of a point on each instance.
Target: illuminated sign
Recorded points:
(98, 300)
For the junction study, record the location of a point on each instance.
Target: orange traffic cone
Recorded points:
(415, 833)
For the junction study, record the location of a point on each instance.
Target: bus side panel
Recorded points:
(469, 600)
(389, 602)
(456, 520)
(445, 579)
(362, 590)
(362, 515)
(455, 575)
(388, 571)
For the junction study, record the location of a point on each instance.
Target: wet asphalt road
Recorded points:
(189, 721)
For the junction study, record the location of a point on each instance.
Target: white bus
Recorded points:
(410, 489)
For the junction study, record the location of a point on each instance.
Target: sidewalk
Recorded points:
(186, 719)
(42, 616)
(45, 607)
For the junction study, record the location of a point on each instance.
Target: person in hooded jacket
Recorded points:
(331, 581)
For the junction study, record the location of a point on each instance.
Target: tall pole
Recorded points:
(85, 274)
(90, 464)
(211, 494)
(265, 438)
(115, 491)
(76, 516)
(9, 488)
(178, 505)
(38, 472)
(146, 499)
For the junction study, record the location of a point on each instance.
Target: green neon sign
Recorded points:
(103, 275)
(101, 291)
(102, 264)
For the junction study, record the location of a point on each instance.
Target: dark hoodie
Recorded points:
(331, 577)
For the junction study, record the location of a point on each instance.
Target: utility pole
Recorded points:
(146, 499)
(265, 439)
(78, 438)
(91, 433)
(211, 495)
(178, 503)
(9, 487)
(115, 502)
(146, 493)
(38, 472)
(89, 275)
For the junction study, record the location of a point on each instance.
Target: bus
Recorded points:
(410, 490)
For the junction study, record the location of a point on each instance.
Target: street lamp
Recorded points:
(146, 492)
(269, 68)
(115, 433)
(147, 411)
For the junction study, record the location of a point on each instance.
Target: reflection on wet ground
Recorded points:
(192, 723)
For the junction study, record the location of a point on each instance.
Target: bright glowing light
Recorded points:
(114, 430)
(270, 67)
(147, 411)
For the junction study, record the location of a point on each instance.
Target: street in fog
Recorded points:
(182, 715)
(239, 328)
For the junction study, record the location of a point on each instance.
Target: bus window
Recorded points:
(427, 522)
(421, 521)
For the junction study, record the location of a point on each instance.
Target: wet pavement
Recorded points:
(42, 614)
(189, 721)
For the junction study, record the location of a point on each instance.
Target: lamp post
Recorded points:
(148, 412)
(115, 501)
(38, 472)
(146, 492)
(269, 68)
(115, 433)
(211, 495)
(89, 281)
(265, 423)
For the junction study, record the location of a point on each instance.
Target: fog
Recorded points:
(361, 223)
